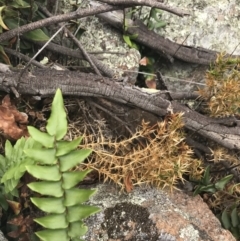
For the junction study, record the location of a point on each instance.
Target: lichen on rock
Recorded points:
(211, 24)
(107, 44)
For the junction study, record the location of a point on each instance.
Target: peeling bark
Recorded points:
(45, 82)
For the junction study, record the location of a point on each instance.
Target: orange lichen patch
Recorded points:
(12, 122)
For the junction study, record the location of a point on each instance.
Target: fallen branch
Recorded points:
(137, 28)
(149, 38)
(45, 82)
(149, 3)
(80, 13)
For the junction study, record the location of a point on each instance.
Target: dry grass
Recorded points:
(155, 155)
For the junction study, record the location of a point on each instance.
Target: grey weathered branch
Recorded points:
(77, 54)
(137, 28)
(80, 13)
(150, 3)
(45, 83)
(156, 42)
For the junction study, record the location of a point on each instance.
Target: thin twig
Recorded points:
(39, 51)
(75, 40)
(80, 13)
(112, 115)
(150, 3)
(76, 54)
(86, 55)
(24, 57)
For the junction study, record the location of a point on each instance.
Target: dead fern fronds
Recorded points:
(155, 155)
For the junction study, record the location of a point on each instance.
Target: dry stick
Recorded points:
(44, 82)
(56, 7)
(150, 3)
(86, 55)
(39, 51)
(156, 42)
(112, 115)
(76, 54)
(198, 145)
(24, 57)
(75, 40)
(80, 13)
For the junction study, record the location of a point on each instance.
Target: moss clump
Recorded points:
(223, 87)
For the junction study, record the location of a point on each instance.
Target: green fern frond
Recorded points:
(53, 162)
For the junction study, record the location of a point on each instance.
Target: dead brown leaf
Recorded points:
(144, 61)
(128, 182)
(151, 83)
(13, 123)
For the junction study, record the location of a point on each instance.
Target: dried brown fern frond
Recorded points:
(223, 87)
(155, 155)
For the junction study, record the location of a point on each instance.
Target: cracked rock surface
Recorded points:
(153, 215)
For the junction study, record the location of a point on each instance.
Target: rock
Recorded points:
(211, 24)
(2, 238)
(149, 214)
(107, 45)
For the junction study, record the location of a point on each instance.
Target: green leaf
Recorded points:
(156, 14)
(15, 153)
(57, 122)
(235, 232)
(64, 147)
(225, 219)
(77, 229)
(235, 218)
(4, 56)
(13, 174)
(44, 156)
(222, 182)
(3, 201)
(135, 46)
(8, 175)
(72, 159)
(209, 188)
(47, 173)
(10, 187)
(11, 22)
(21, 169)
(47, 188)
(2, 24)
(19, 4)
(197, 190)
(53, 235)
(53, 221)
(9, 149)
(44, 138)
(3, 165)
(36, 35)
(206, 176)
(159, 24)
(49, 205)
(71, 179)
(127, 40)
(76, 213)
(76, 196)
